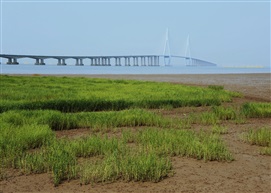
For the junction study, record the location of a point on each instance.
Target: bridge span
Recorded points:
(126, 60)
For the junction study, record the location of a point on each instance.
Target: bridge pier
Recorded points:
(39, 61)
(143, 61)
(149, 60)
(117, 61)
(76, 62)
(81, 62)
(97, 61)
(15, 61)
(12, 61)
(9, 61)
(93, 62)
(135, 61)
(104, 62)
(61, 62)
(156, 60)
(42, 61)
(127, 61)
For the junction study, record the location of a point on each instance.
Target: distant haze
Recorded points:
(231, 33)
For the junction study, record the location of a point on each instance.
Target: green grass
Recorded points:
(257, 110)
(214, 116)
(261, 137)
(138, 166)
(219, 129)
(147, 160)
(57, 120)
(85, 94)
(184, 143)
(223, 113)
(32, 108)
(216, 87)
(14, 141)
(266, 151)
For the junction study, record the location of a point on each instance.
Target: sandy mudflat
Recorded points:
(249, 172)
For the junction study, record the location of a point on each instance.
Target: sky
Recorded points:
(228, 33)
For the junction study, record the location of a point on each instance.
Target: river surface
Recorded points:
(87, 69)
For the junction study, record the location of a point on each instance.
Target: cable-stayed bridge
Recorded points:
(119, 60)
(127, 60)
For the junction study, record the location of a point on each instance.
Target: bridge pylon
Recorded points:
(188, 58)
(166, 54)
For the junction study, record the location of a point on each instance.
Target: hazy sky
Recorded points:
(223, 32)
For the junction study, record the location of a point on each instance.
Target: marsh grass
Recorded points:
(32, 108)
(56, 158)
(187, 143)
(147, 160)
(266, 151)
(86, 94)
(15, 140)
(261, 137)
(96, 145)
(219, 129)
(138, 166)
(223, 113)
(257, 110)
(216, 87)
(215, 116)
(94, 120)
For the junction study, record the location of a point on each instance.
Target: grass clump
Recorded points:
(14, 141)
(55, 157)
(219, 129)
(257, 110)
(215, 115)
(261, 137)
(216, 87)
(266, 151)
(95, 145)
(147, 160)
(139, 166)
(57, 120)
(184, 143)
(125, 118)
(223, 113)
